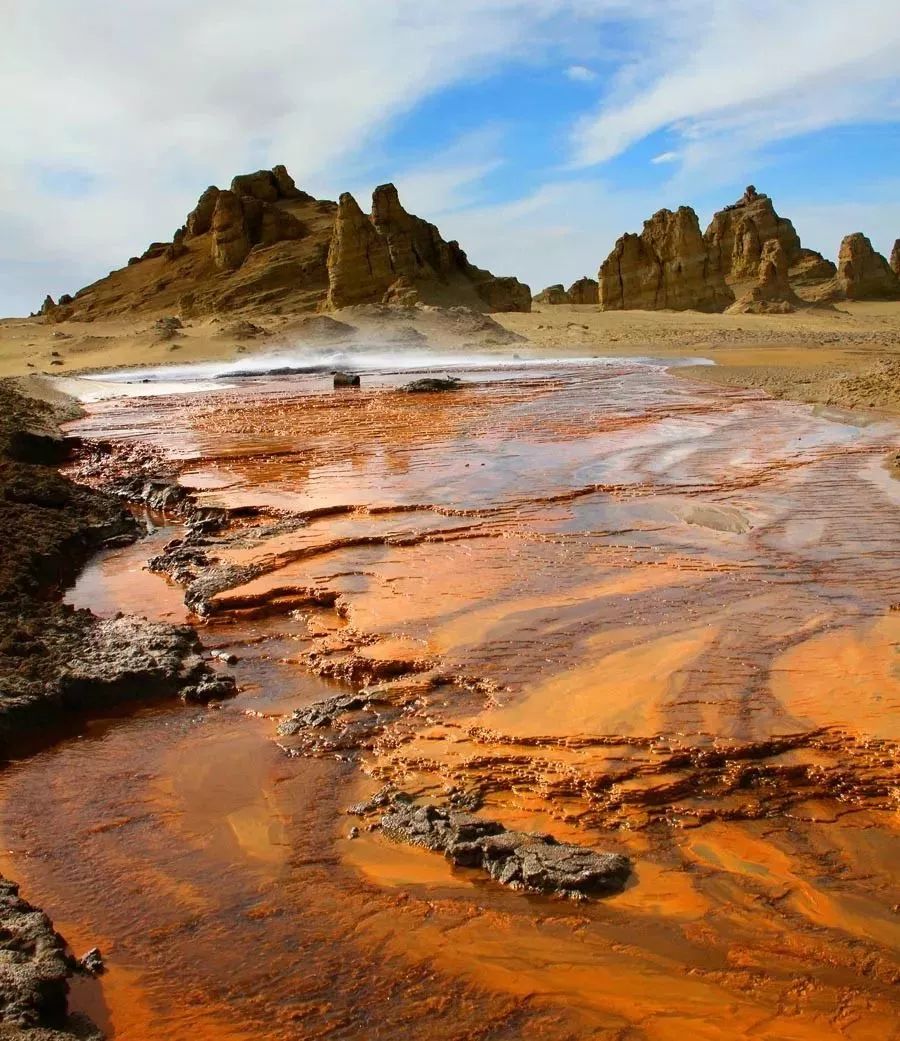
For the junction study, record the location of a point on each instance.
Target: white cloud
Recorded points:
(581, 74)
(731, 76)
(666, 157)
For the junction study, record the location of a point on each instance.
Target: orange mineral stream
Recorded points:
(643, 614)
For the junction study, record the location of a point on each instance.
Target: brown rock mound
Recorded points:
(736, 235)
(584, 291)
(864, 274)
(264, 246)
(555, 294)
(895, 258)
(667, 266)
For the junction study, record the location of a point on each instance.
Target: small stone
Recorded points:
(92, 962)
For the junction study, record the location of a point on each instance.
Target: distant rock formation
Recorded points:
(264, 244)
(667, 266)
(584, 291)
(555, 294)
(772, 293)
(736, 235)
(895, 258)
(395, 257)
(862, 273)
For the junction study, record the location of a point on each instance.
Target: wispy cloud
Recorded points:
(665, 157)
(580, 74)
(729, 77)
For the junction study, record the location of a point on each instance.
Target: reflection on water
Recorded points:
(643, 615)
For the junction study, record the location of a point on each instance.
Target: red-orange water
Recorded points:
(662, 614)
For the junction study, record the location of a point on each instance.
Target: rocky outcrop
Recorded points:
(265, 245)
(395, 257)
(772, 293)
(518, 859)
(895, 258)
(55, 661)
(35, 969)
(667, 266)
(359, 262)
(864, 274)
(555, 294)
(415, 246)
(584, 291)
(736, 235)
(230, 241)
(199, 220)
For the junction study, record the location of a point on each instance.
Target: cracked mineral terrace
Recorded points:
(585, 629)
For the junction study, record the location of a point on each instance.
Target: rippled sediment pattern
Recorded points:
(642, 614)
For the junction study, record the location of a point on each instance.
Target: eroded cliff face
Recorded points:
(667, 266)
(359, 264)
(264, 245)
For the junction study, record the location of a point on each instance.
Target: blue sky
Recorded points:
(533, 131)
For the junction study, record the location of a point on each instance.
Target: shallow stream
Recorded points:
(661, 616)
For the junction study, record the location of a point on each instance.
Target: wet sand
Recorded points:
(642, 613)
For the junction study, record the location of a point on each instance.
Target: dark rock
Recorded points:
(431, 385)
(92, 962)
(346, 379)
(521, 860)
(34, 974)
(211, 688)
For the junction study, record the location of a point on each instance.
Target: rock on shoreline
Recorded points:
(518, 859)
(35, 969)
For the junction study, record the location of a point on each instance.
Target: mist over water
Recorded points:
(367, 359)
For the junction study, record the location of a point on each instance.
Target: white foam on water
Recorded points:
(362, 359)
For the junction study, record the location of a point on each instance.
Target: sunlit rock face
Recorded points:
(667, 267)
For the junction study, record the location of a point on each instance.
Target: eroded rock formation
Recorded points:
(395, 257)
(895, 258)
(864, 274)
(584, 291)
(772, 293)
(736, 235)
(359, 262)
(265, 244)
(667, 266)
(555, 294)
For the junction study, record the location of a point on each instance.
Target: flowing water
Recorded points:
(643, 614)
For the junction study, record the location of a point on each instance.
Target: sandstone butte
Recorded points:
(264, 244)
(748, 251)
